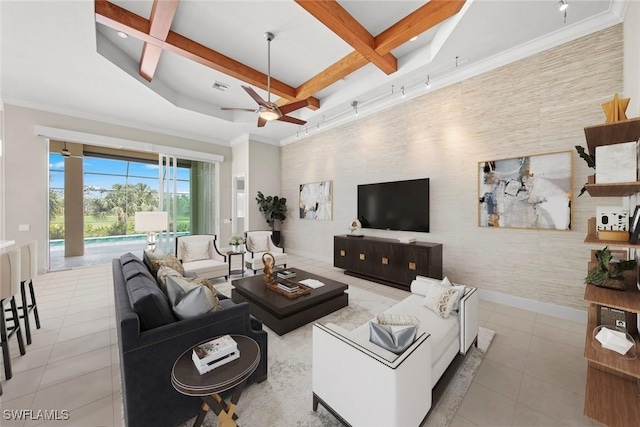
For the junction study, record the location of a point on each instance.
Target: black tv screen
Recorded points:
(399, 205)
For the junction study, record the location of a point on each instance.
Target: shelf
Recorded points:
(628, 300)
(612, 133)
(592, 238)
(618, 189)
(609, 360)
(611, 400)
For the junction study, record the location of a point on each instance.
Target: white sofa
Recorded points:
(363, 384)
(200, 256)
(258, 242)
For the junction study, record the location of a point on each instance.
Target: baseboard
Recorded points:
(549, 309)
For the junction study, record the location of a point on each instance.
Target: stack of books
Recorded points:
(212, 354)
(289, 287)
(286, 274)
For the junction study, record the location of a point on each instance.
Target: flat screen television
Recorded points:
(399, 205)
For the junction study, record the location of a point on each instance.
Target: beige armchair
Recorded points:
(257, 243)
(200, 256)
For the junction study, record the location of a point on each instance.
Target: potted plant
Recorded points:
(590, 159)
(608, 274)
(274, 209)
(236, 240)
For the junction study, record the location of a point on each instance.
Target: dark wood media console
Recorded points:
(387, 261)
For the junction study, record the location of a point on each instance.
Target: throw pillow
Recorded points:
(257, 243)
(163, 273)
(397, 319)
(461, 288)
(190, 299)
(196, 250)
(440, 299)
(396, 339)
(169, 260)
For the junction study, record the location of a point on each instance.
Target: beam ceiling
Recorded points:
(162, 14)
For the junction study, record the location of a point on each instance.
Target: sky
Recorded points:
(96, 168)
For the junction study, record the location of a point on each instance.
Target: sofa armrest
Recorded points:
(469, 306)
(352, 379)
(273, 247)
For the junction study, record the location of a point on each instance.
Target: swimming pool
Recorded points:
(111, 239)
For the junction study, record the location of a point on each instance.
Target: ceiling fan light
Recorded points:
(269, 115)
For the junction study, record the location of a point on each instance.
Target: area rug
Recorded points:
(285, 398)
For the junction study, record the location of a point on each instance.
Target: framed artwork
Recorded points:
(532, 192)
(316, 200)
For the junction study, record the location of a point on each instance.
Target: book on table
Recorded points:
(286, 274)
(212, 354)
(289, 287)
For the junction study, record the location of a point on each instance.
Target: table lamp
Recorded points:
(151, 222)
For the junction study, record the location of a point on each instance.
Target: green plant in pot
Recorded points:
(609, 274)
(590, 159)
(274, 209)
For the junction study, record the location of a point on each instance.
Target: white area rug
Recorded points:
(285, 398)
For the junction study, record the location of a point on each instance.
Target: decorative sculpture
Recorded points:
(615, 110)
(269, 263)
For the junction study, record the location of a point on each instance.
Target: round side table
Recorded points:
(187, 380)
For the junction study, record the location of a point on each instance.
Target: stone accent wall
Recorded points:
(533, 106)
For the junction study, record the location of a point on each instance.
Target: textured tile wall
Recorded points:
(536, 105)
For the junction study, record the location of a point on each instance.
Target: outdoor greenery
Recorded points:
(111, 212)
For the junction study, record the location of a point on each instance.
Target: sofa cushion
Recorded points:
(196, 250)
(163, 273)
(168, 260)
(258, 242)
(441, 299)
(207, 268)
(190, 299)
(148, 301)
(134, 267)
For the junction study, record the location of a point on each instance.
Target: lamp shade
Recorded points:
(151, 221)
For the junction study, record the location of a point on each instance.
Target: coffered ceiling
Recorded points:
(66, 56)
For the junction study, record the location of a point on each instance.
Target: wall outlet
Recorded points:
(226, 221)
(24, 227)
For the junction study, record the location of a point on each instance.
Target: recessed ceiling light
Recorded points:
(220, 86)
(414, 38)
(121, 34)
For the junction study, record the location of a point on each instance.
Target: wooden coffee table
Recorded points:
(282, 314)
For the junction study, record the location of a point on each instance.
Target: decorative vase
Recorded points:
(235, 248)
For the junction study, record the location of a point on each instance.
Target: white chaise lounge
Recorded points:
(365, 385)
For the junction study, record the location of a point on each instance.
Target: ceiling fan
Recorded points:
(66, 153)
(268, 110)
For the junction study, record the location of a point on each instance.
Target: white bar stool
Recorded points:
(28, 271)
(9, 287)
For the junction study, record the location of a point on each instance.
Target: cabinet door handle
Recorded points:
(362, 257)
(342, 253)
(385, 260)
(412, 266)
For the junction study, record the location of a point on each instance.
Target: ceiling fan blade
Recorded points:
(238, 109)
(286, 109)
(290, 119)
(253, 94)
(261, 122)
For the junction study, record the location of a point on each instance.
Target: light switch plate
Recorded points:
(24, 227)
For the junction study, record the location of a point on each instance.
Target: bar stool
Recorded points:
(9, 287)
(28, 270)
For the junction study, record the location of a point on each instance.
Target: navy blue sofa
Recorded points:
(150, 340)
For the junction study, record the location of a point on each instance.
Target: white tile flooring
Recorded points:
(72, 364)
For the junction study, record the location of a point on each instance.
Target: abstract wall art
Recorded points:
(531, 192)
(316, 200)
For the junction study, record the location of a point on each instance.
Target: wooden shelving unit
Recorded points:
(612, 395)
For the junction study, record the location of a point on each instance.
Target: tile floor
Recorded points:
(72, 365)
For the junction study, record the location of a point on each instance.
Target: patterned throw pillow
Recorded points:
(163, 273)
(441, 299)
(196, 250)
(461, 288)
(397, 319)
(169, 260)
